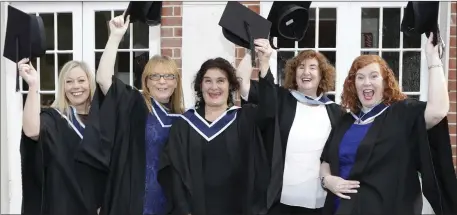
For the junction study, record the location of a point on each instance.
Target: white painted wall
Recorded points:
(12, 133)
(4, 142)
(202, 39)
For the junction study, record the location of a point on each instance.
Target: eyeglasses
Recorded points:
(156, 77)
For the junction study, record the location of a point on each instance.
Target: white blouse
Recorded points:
(307, 137)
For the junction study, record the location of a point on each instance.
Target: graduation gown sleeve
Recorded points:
(34, 159)
(177, 186)
(253, 96)
(439, 182)
(120, 152)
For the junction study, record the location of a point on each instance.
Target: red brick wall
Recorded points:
(240, 51)
(171, 30)
(452, 80)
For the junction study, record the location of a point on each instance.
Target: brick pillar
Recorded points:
(240, 51)
(171, 31)
(452, 81)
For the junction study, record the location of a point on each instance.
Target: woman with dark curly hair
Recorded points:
(372, 158)
(297, 123)
(214, 153)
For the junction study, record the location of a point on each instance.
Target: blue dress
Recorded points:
(348, 150)
(156, 136)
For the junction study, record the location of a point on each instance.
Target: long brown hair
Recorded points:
(392, 92)
(176, 99)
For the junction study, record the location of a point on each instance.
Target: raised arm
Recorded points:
(105, 70)
(438, 97)
(31, 114)
(243, 72)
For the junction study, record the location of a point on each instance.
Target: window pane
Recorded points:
(62, 59)
(140, 35)
(370, 28)
(122, 67)
(47, 72)
(327, 28)
(48, 22)
(331, 56)
(47, 100)
(369, 53)
(101, 30)
(310, 36)
(391, 28)
(282, 58)
(139, 62)
(65, 31)
(392, 58)
(414, 97)
(411, 71)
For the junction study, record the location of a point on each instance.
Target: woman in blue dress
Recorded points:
(134, 126)
(372, 158)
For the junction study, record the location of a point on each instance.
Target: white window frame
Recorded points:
(49, 7)
(345, 54)
(12, 111)
(349, 37)
(89, 9)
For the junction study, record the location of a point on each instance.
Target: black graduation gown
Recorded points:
(121, 150)
(225, 175)
(388, 159)
(279, 116)
(53, 183)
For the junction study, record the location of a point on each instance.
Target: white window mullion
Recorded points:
(56, 62)
(400, 63)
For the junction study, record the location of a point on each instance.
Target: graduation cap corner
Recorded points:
(422, 17)
(147, 12)
(25, 37)
(290, 20)
(286, 20)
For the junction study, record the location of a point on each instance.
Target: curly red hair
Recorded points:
(326, 69)
(392, 92)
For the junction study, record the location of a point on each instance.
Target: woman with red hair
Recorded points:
(372, 158)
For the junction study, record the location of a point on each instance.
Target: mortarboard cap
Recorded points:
(240, 25)
(25, 37)
(289, 19)
(148, 12)
(421, 17)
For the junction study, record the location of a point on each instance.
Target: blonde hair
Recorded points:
(176, 99)
(61, 102)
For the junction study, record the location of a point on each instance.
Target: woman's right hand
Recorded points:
(118, 26)
(339, 186)
(27, 72)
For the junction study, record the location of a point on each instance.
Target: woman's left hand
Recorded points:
(431, 51)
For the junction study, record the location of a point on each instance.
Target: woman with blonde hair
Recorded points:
(134, 126)
(52, 181)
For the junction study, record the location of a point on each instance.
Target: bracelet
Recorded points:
(434, 66)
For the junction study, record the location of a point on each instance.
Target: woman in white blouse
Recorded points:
(300, 118)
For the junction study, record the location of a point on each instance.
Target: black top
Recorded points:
(53, 183)
(228, 174)
(395, 149)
